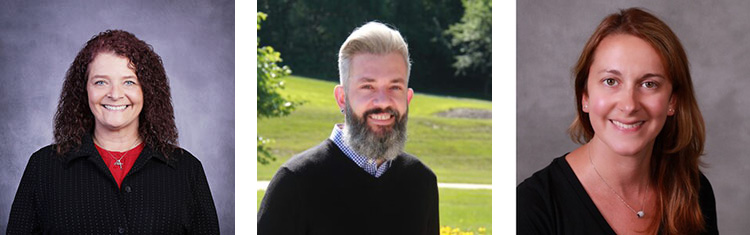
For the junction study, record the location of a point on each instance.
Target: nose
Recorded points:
(629, 102)
(115, 92)
(382, 100)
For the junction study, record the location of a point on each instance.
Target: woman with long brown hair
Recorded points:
(115, 166)
(642, 135)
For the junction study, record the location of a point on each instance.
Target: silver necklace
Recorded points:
(118, 162)
(639, 213)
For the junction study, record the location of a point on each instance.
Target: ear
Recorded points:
(409, 95)
(672, 108)
(340, 96)
(585, 103)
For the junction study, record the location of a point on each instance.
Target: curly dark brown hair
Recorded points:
(74, 118)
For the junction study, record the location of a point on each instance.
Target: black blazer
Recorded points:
(76, 194)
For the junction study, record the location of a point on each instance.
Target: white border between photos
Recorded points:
(503, 117)
(245, 121)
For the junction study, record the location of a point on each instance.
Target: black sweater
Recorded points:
(76, 194)
(321, 191)
(553, 201)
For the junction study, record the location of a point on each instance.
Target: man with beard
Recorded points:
(359, 180)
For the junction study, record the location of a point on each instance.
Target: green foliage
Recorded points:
(270, 102)
(472, 38)
(310, 32)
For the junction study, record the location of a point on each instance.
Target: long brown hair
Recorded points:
(674, 160)
(74, 119)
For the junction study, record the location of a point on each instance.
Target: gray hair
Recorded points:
(374, 38)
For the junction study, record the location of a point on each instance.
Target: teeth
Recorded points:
(119, 107)
(380, 116)
(627, 126)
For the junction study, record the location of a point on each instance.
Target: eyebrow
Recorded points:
(618, 73)
(395, 80)
(105, 76)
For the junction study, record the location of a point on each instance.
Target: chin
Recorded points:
(628, 149)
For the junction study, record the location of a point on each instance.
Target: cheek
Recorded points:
(92, 95)
(600, 105)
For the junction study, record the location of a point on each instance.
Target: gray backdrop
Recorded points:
(551, 35)
(195, 39)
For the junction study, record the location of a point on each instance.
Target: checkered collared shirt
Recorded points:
(369, 165)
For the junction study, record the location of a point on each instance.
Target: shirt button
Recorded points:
(127, 189)
(121, 230)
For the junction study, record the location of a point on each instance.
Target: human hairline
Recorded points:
(371, 38)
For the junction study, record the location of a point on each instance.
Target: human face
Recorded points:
(628, 95)
(114, 93)
(376, 89)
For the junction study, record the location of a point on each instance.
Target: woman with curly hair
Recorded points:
(115, 166)
(642, 134)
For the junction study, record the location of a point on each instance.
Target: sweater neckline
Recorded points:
(352, 166)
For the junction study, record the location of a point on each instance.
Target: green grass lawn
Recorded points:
(465, 209)
(458, 150)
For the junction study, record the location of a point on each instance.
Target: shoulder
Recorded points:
(312, 158)
(543, 180)
(413, 165)
(707, 203)
(181, 154)
(537, 195)
(182, 159)
(46, 153)
(706, 191)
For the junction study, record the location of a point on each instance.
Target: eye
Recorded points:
(100, 82)
(396, 88)
(129, 83)
(649, 85)
(366, 87)
(610, 82)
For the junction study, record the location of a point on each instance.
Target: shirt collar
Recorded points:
(87, 149)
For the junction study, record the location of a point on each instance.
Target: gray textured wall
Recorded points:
(551, 35)
(39, 40)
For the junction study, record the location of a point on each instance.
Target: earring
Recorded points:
(342, 111)
(585, 106)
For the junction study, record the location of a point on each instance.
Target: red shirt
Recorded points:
(119, 171)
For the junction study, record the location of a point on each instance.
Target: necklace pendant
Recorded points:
(118, 163)
(640, 214)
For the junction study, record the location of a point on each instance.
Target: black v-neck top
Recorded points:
(553, 201)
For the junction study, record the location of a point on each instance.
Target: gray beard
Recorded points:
(386, 145)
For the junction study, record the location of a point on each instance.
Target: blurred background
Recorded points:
(551, 35)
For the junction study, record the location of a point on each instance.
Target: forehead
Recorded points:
(628, 54)
(110, 64)
(367, 67)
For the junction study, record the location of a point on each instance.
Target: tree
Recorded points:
(270, 102)
(472, 38)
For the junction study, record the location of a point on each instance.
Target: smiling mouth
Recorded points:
(627, 126)
(115, 107)
(381, 116)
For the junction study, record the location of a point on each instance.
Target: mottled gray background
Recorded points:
(195, 39)
(716, 35)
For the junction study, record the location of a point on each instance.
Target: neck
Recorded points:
(117, 140)
(624, 173)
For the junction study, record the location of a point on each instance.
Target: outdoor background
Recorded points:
(195, 40)
(449, 117)
(715, 34)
